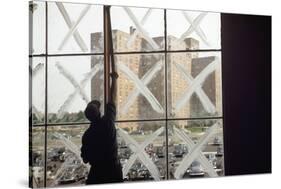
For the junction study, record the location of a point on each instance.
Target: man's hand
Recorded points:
(114, 75)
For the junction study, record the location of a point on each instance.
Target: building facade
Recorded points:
(134, 107)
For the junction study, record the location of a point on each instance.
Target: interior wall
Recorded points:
(246, 77)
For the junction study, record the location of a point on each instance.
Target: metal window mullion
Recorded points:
(30, 124)
(129, 52)
(222, 102)
(168, 51)
(166, 95)
(69, 54)
(132, 121)
(105, 58)
(46, 95)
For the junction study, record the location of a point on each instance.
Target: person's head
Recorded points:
(92, 111)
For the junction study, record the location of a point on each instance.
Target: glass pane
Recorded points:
(64, 164)
(140, 93)
(37, 74)
(197, 30)
(37, 157)
(194, 85)
(72, 83)
(75, 28)
(37, 27)
(196, 149)
(137, 29)
(141, 149)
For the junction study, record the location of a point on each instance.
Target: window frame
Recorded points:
(107, 54)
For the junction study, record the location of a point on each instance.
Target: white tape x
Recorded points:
(73, 27)
(139, 27)
(69, 159)
(200, 156)
(136, 32)
(78, 87)
(34, 72)
(194, 27)
(206, 102)
(195, 86)
(141, 86)
(139, 152)
(196, 152)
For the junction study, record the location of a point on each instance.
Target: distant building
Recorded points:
(140, 64)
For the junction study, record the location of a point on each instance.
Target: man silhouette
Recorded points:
(99, 144)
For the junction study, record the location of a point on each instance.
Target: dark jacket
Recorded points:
(99, 149)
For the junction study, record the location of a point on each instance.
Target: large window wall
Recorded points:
(169, 101)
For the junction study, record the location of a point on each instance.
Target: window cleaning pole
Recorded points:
(107, 32)
(108, 50)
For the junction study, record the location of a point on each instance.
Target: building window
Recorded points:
(169, 90)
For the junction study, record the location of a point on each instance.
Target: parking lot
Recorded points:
(64, 167)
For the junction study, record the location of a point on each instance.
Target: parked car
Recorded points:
(73, 174)
(217, 141)
(56, 154)
(37, 159)
(160, 152)
(171, 158)
(196, 169)
(220, 151)
(143, 173)
(179, 150)
(123, 144)
(212, 159)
